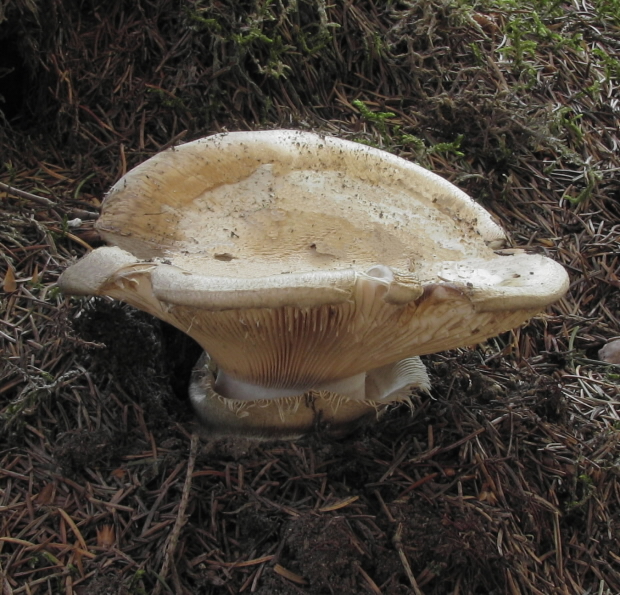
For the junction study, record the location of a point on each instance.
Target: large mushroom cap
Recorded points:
(297, 260)
(258, 204)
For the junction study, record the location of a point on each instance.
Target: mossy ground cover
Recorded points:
(504, 480)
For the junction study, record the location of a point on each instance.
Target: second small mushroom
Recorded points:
(312, 270)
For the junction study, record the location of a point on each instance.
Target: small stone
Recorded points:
(610, 353)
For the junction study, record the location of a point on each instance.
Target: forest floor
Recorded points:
(505, 479)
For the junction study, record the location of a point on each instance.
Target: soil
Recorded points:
(503, 480)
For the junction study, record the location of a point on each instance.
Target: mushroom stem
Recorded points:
(233, 388)
(266, 414)
(373, 385)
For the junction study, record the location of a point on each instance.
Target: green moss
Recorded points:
(451, 147)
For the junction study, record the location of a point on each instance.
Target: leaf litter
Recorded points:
(504, 480)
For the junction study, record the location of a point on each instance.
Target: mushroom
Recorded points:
(312, 270)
